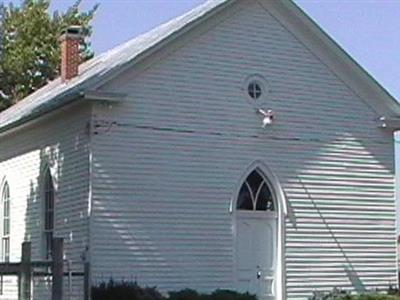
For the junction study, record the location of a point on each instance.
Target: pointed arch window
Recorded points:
(255, 194)
(48, 213)
(5, 242)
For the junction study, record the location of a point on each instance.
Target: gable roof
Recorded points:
(104, 66)
(57, 93)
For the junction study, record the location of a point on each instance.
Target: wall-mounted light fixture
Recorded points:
(268, 116)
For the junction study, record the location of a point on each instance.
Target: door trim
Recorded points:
(281, 214)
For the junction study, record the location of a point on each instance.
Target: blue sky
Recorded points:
(368, 30)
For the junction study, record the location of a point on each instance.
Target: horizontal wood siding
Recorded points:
(166, 164)
(61, 141)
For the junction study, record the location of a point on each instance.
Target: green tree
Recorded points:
(29, 45)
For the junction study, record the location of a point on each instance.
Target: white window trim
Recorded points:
(5, 257)
(265, 90)
(3, 185)
(46, 252)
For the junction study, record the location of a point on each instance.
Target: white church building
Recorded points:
(235, 147)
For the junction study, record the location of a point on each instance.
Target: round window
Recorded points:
(254, 90)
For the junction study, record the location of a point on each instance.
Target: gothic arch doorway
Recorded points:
(259, 212)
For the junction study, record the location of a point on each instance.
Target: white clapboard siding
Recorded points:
(167, 162)
(62, 142)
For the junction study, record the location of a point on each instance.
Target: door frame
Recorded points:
(281, 211)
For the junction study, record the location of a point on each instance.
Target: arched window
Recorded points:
(5, 203)
(255, 194)
(48, 213)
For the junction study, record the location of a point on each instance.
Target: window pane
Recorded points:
(255, 190)
(6, 192)
(51, 200)
(264, 200)
(49, 241)
(254, 90)
(6, 200)
(257, 91)
(6, 249)
(6, 227)
(6, 210)
(254, 180)
(244, 199)
(1, 284)
(48, 221)
(250, 90)
(51, 221)
(49, 180)
(46, 201)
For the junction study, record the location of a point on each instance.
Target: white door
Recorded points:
(256, 244)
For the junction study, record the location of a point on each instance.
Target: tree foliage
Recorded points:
(29, 45)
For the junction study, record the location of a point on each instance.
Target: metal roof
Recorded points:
(57, 93)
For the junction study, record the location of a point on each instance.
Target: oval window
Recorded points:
(254, 90)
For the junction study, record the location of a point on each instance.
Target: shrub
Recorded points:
(370, 297)
(184, 295)
(342, 295)
(230, 295)
(124, 290)
(216, 295)
(132, 291)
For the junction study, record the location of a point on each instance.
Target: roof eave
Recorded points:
(62, 101)
(103, 96)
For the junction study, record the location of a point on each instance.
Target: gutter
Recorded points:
(61, 101)
(58, 102)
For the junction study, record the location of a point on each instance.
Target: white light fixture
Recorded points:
(268, 117)
(383, 120)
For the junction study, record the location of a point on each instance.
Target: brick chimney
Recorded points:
(70, 58)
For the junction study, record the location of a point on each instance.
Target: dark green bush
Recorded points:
(184, 295)
(369, 297)
(132, 291)
(230, 295)
(216, 295)
(124, 290)
(336, 294)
